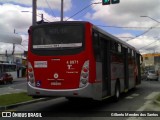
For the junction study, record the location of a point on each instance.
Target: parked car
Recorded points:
(144, 75)
(152, 75)
(6, 78)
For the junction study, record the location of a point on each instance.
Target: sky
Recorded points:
(122, 20)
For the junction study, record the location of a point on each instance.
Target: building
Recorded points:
(151, 61)
(19, 59)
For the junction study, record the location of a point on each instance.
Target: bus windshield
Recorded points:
(57, 37)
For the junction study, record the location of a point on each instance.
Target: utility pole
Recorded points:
(61, 10)
(13, 48)
(42, 16)
(34, 12)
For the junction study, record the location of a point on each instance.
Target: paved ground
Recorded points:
(11, 88)
(150, 105)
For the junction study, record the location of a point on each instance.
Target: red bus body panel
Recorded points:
(63, 72)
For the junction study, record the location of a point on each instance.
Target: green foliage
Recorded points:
(158, 98)
(14, 98)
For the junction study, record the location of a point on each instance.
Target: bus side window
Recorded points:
(115, 47)
(96, 47)
(119, 48)
(129, 51)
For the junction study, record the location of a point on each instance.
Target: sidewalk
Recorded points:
(9, 89)
(151, 105)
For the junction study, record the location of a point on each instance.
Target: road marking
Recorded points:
(129, 97)
(147, 106)
(132, 96)
(135, 95)
(152, 95)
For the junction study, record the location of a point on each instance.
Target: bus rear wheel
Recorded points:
(117, 92)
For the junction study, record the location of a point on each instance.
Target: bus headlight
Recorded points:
(84, 74)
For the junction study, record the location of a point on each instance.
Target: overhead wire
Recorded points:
(50, 8)
(20, 46)
(143, 32)
(84, 13)
(93, 4)
(82, 10)
(125, 27)
(148, 44)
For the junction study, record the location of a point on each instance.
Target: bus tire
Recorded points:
(4, 82)
(11, 82)
(36, 97)
(117, 92)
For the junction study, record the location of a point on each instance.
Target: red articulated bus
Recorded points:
(77, 59)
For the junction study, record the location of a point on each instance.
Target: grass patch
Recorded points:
(14, 98)
(158, 98)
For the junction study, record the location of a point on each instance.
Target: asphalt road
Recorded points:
(134, 100)
(19, 85)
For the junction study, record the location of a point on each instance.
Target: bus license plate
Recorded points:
(56, 83)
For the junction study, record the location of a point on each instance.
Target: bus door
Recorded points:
(106, 69)
(126, 69)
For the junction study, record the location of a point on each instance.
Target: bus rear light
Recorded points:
(84, 74)
(85, 69)
(31, 78)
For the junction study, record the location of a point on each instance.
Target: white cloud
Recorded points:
(127, 12)
(54, 4)
(12, 18)
(145, 44)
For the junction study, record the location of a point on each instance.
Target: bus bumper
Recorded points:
(93, 91)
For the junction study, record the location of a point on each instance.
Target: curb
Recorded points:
(2, 108)
(156, 101)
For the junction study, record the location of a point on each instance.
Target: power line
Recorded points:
(84, 13)
(82, 10)
(50, 8)
(144, 32)
(148, 44)
(87, 10)
(22, 47)
(125, 27)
